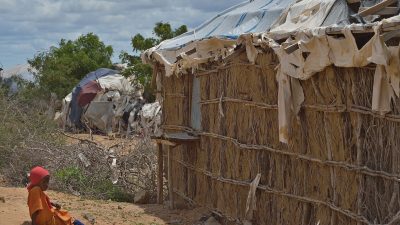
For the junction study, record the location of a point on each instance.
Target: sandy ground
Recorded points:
(14, 210)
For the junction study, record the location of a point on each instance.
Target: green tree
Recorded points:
(62, 67)
(143, 72)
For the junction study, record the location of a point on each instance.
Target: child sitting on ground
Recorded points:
(41, 210)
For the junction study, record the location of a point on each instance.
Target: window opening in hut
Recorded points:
(362, 39)
(393, 42)
(305, 55)
(195, 110)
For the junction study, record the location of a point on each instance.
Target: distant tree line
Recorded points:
(60, 68)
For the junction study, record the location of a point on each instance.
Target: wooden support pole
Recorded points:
(170, 186)
(384, 11)
(376, 8)
(160, 177)
(190, 52)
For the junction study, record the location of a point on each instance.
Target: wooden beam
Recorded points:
(291, 48)
(180, 137)
(384, 12)
(366, 28)
(160, 175)
(153, 82)
(376, 8)
(389, 35)
(170, 186)
(166, 142)
(190, 52)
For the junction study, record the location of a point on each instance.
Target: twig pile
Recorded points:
(28, 139)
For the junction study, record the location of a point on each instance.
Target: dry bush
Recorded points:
(28, 139)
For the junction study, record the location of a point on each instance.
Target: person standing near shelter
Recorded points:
(41, 210)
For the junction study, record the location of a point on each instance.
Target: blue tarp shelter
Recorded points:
(76, 110)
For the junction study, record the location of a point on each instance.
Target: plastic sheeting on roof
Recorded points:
(88, 93)
(116, 82)
(262, 15)
(219, 36)
(248, 17)
(76, 110)
(340, 15)
(303, 14)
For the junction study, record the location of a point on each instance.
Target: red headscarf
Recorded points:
(36, 175)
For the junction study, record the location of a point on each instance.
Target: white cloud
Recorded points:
(29, 26)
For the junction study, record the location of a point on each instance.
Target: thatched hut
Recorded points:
(285, 112)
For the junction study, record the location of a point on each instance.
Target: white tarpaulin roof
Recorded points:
(261, 16)
(248, 17)
(304, 14)
(257, 16)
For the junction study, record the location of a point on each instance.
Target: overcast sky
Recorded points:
(31, 26)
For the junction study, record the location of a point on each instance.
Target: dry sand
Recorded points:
(14, 210)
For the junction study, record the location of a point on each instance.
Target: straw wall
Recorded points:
(341, 165)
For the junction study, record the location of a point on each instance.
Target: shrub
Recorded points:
(28, 138)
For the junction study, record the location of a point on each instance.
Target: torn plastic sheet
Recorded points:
(339, 14)
(116, 82)
(382, 92)
(206, 49)
(284, 102)
(100, 114)
(251, 50)
(302, 15)
(345, 53)
(386, 78)
(308, 14)
(169, 66)
(311, 57)
(247, 17)
(149, 111)
(290, 98)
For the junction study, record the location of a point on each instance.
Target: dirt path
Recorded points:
(14, 210)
